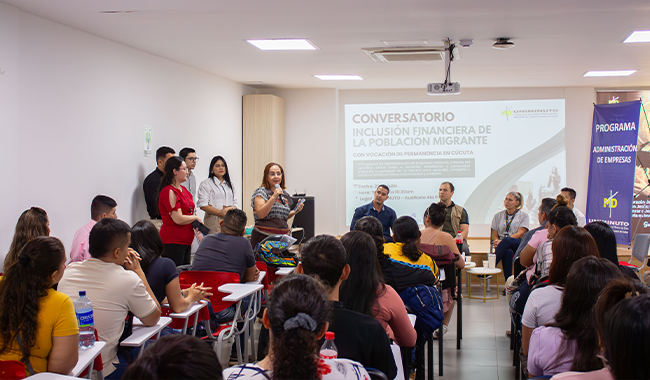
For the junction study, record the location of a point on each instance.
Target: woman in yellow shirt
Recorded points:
(406, 235)
(38, 325)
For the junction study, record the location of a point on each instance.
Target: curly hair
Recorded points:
(295, 351)
(31, 223)
(406, 231)
(24, 283)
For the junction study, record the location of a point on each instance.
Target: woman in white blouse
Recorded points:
(216, 194)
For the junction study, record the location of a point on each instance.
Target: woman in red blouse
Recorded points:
(177, 212)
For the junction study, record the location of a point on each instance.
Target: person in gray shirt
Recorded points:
(189, 156)
(228, 251)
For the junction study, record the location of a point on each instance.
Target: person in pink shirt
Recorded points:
(101, 207)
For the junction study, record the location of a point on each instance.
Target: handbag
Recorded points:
(441, 254)
(426, 303)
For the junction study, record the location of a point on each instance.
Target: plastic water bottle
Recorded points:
(459, 238)
(84, 310)
(328, 349)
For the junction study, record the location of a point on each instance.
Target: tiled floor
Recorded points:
(485, 350)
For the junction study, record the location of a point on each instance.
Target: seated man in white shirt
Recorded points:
(115, 284)
(101, 207)
(570, 195)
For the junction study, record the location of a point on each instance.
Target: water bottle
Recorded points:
(84, 310)
(459, 238)
(328, 349)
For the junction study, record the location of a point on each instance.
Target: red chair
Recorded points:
(226, 330)
(12, 370)
(184, 323)
(268, 280)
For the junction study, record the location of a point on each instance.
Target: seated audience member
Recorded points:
(606, 242)
(405, 249)
(100, 208)
(508, 227)
(176, 357)
(570, 245)
(398, 274)
(365, 292)
(296, 316)
(571, 343)
(545, 207)
(228, 251)
(622, 316)
(38, 325)
(570, 195)
(115, 284)
(161, 272)
(433, 222)
(358, 337)
(31, 224)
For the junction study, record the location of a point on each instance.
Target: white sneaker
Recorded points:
(444, 331)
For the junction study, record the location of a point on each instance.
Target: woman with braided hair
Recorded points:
(38, 325)
(296, 318)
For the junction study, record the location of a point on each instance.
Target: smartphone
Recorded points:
(301, 201)
(201, 227)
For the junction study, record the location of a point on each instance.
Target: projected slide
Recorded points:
(484, 148)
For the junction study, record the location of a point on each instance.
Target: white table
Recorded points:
(486, 272)
(193, 310)
(51, 376)
(86, 359)
(468, 265)
(284, 271)
(239, 291)
(141, 333)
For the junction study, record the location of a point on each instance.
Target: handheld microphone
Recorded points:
(277, 186)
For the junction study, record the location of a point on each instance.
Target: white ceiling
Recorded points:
(557, 41)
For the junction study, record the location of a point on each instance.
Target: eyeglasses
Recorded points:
(193, 159)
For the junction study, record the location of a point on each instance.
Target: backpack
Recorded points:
(426, 303)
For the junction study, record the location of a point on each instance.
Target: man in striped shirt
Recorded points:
(101, 207)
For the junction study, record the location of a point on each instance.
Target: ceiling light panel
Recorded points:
(610, 73)
(283, 44)
(638, 36)
(338, 77)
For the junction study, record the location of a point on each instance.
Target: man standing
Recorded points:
(152, 182)
(100, 208)
(190, 158)
(379, 210)
(570, 195)
(457, 218)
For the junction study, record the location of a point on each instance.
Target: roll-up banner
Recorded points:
(611, 168)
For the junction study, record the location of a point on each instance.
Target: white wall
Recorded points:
(318, 125)
(72, 111)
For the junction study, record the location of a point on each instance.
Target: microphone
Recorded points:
(277, 186)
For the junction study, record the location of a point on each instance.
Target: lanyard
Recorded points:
(509, 222)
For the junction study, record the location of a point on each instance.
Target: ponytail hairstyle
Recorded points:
(32, 223)
(518, 197)
(145, 239)
(176, 356)
(437, 213)
(360, 291)
(622, 317)
(372, 226)
(173, 163)
(586, 279)
(562, 216)
(406, 231)
(297, 311)
(24, 283)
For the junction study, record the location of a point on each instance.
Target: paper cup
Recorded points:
(485, 263)
(492, 261)
(468, 259)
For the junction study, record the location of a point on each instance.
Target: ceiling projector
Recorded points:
(452, 88)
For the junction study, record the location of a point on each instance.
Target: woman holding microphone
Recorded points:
(216, 194)
(272, 205)
(177, 212)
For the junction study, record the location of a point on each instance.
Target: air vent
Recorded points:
(405, 54)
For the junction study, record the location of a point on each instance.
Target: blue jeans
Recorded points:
(126, 356)
(506, 251)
